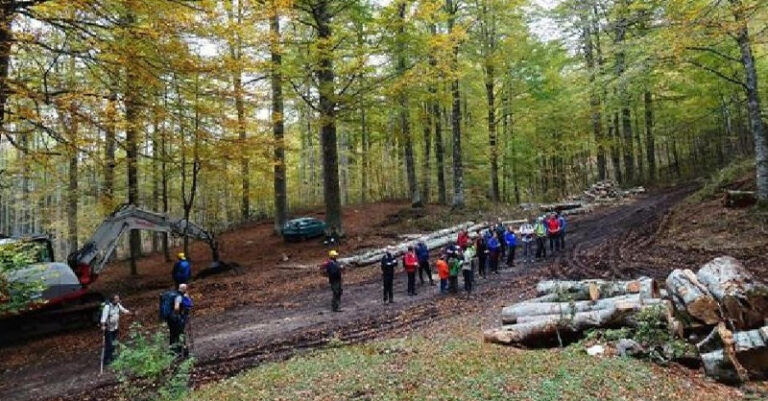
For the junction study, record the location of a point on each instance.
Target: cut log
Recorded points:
(743, 301)
(744, 354)
(738, 199)
(559, 207)
(594, 289)
(692, 297)
(510, 314)
(546, 328)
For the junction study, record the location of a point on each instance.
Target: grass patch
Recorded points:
(453, 368)
(719, 181)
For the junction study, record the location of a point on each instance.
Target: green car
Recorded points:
(303, 228)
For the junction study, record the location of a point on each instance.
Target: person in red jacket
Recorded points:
(553, 231)
(463, 240)
(411, 265)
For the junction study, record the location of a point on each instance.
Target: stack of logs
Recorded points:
(608, 191)
(721, 309)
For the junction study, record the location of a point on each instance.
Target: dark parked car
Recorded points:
(303, 228)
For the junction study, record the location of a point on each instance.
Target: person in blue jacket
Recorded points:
(511, 239)
(494, 249)
(561, 219)
(182, 270)
(422, 253)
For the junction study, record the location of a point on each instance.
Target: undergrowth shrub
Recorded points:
(147, 370)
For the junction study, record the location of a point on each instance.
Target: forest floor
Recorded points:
(273, 309)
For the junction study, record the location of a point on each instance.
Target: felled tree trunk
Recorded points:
(510, 314)
(547, 327)
(739, 199)
(594, 289)
(743, 302)
(692, 297)
(743, 354)
(558, 207)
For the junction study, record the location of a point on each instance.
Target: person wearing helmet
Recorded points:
(182, 270)
(332, 269)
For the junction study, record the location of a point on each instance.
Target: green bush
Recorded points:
(719, 181)
(16, 295)
(148, 371)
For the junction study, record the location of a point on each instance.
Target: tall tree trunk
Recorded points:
(594, 96)
(442, 193)
(458, 169)
(364, 157)
(6, 43)
(493, 146)
(327, 108)
(164, 186)
(73, 190)
(753, 100)
(131, 156)
(623, 98)
(613, 132)
(109, 152)
(280, 186)
(426, 169)
(405, 125)
(650, 146)
(640, 159)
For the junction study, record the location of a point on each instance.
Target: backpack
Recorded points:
(167, 300)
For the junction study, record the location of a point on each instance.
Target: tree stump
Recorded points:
(692, 297)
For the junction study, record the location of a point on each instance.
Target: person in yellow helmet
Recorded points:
(182, 270)
(332, 269)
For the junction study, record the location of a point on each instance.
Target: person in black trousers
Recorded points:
(482, 253)
(388, 265)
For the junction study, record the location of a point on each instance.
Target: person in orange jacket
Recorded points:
(443, 272)
(411, 265)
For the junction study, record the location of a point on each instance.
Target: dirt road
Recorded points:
(242, 337)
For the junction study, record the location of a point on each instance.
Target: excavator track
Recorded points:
(78, 314)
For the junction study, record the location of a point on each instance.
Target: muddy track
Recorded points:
(247, 336)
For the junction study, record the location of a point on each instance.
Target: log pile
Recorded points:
(722, 299)
(608, 191)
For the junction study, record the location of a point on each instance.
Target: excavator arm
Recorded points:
(90, 260)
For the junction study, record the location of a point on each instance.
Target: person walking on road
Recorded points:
(540, 232)
(511, 239)
(332, 269)
(182, 270)
(110, 324)
(443, 272)
(411, 265)
(177, 321)
(526, 234)
(422, 253)
(494, 250)
(388, 265)
(482, 253)
(467, 268)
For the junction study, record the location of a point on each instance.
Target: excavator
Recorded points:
(65, 300)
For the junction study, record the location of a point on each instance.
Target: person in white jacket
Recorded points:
(110, 323)
(527, 238)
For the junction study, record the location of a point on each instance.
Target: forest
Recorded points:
(230, 111)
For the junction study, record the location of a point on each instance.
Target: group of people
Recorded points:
(180, 305)
(484, 251)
